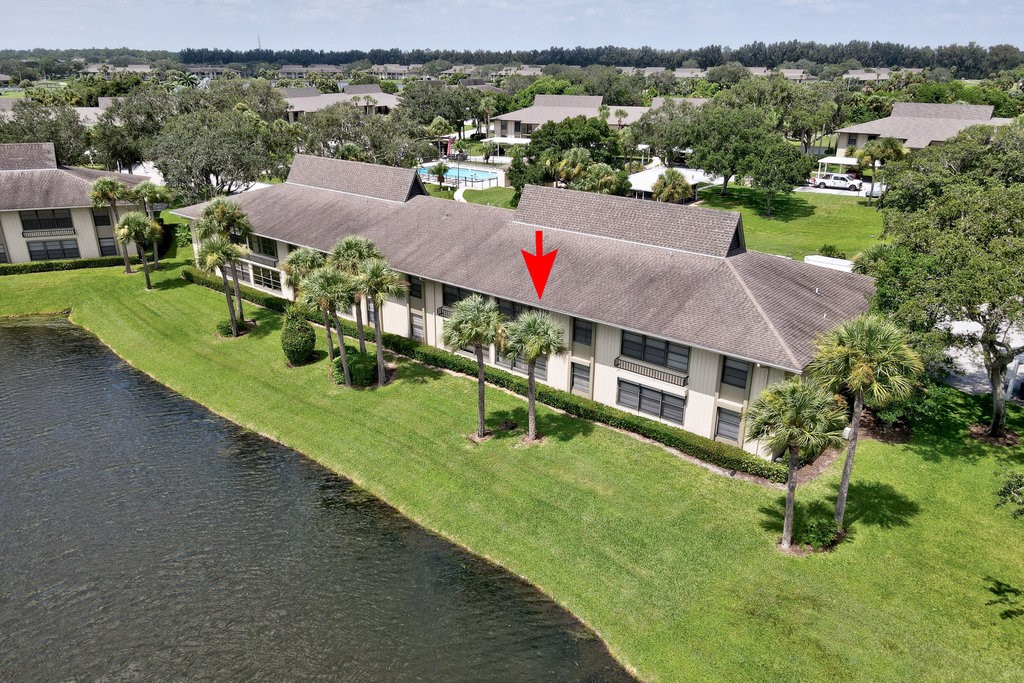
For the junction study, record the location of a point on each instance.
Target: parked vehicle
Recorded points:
(837, 181)
(457, 155)
(877, 191)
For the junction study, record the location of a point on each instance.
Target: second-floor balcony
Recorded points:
(659, 374)
(261, 259)
(444, 311)
(49, 232)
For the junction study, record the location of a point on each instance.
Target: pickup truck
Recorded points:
(836, 181)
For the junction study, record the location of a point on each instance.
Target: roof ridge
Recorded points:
(620, 239)
(351, 194)
(764, 316)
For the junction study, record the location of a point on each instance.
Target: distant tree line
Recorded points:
(969, 61)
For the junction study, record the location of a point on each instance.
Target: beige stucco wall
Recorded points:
(17, 252)
(85, 234)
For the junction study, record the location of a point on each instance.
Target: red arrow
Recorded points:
(539, 264)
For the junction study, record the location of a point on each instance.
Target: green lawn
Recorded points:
(434, 191)
(15, 95)
(495, 196)
(801, 221)
(675, 567)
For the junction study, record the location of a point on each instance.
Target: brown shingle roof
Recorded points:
(670, 226)
(753, 306)
(353, 177)
(964, 112)
(27, 155)
(584, 101)
(53, 188)
(365, 89)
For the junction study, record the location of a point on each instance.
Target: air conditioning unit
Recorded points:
(847, 433)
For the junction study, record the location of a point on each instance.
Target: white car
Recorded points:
(837, 181)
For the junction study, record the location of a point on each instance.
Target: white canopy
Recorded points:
(842, 161)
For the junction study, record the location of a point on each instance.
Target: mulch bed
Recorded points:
(873, 428)
(980, 432)
(488, 435)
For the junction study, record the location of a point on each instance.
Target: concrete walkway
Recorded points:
(459, 195)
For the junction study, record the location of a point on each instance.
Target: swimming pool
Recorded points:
(463, 175)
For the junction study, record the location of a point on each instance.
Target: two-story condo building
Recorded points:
(666, 313)
(45, 209)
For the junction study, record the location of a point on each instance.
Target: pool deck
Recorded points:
(498, 172)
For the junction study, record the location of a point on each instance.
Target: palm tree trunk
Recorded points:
(124, 250)
(481, 428)
(341, 349)
(531, 398)
(231, 304)
(145, 265)
(851, 448)
(156, 255)
(330, 343)
(997, 379)
(381, 376)
(238, 291)
(787, 521)
(359, 324)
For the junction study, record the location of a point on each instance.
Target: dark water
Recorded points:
(144, 538)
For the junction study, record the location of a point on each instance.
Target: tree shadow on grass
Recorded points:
(785, 208)
(266, 321)
(171, 283)
(549, 426)
(1005, 595)
(869, 503)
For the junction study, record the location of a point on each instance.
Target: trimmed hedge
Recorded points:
(63, 264)
(723, 455)
(298, 340)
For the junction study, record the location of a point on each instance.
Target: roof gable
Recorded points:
(20, 156)
(692, 229)
(354, 177)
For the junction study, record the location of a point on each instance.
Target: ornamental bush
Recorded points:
(822, 532)
(298, 340)
(224, 328)
(68, 264)
(361, 366)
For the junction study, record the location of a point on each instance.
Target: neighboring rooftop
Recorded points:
(922, 124)
(31, 179)
(654, 268)
(557, 108)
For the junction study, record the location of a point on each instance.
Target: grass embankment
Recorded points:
(434, 191)
(495, 196)
(674, 566)
(801, 222)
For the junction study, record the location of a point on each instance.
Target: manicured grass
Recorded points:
(674, 566)
(15, 95)
(801, 222)
(495, 196)
(434, 191)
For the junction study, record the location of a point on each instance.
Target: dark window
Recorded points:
(511, 309)
(264, 246)
(266, 278)
(451, 294)
(651, 401)
(101, 218)
(107, 246)
(580, 378)
(416, 325)
(243, 273)
(519, 365)
(728, 426)
(656, 351)
(46, 219)
(52, 249)
(3, 254)
(415, 287)
(734, 373)
(582, 331)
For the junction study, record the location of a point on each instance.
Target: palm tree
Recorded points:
(327, 289)
(106, 192)
(533, 335)
(149, 193)
(439, 170)
(346, 255)
(671, 186)
(300, 263)
(136, 227)
(573, 164)
(216, 252)
(226, 218)
(869, 357)
(476, 322)
(798, 417)
(620, 114)
(379, 282)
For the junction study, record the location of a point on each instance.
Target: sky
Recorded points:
(498, 24)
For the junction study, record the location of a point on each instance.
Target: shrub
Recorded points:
(832, 251)
(224, 328)
(822, 532)
(182, 235)
(298, 340)
(69, 264)
(929, 403)
(723, 455)
(361, 366)
(1011, 494)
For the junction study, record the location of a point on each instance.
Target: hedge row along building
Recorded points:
(665, 311)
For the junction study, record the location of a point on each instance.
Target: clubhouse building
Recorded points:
(666, 313)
